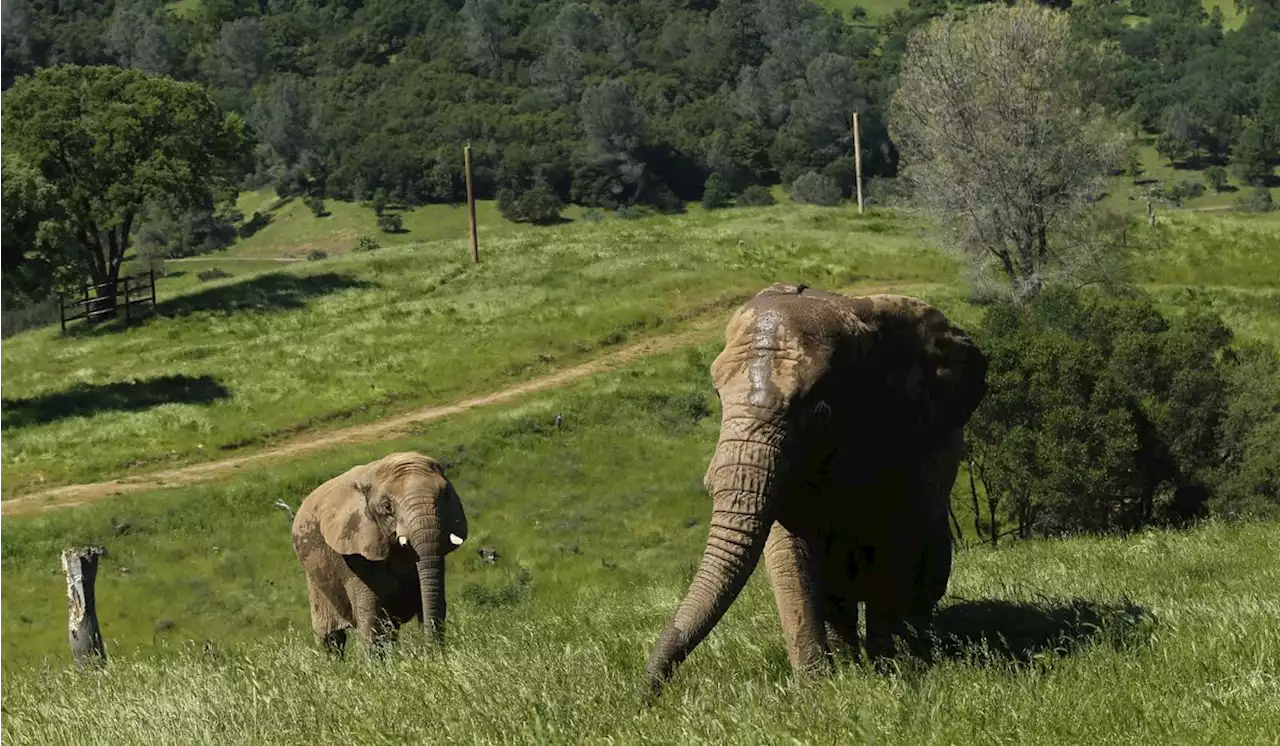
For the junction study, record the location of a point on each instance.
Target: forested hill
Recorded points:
(613, 103)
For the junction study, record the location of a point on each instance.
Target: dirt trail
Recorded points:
(79, 494)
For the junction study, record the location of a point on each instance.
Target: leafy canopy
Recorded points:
(95, 147)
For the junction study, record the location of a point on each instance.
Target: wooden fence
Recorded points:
(132, 294)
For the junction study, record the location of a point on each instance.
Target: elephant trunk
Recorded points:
(426, 537)
(741, 480)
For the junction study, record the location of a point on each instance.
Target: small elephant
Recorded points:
(372, 542)
(840, 440)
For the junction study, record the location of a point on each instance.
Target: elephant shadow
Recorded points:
(991, 631)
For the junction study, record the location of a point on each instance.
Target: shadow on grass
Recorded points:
(127, 396)
(264, 293)
(991, 631)
(261, 293)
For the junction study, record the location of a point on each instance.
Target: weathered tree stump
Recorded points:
(80, 564)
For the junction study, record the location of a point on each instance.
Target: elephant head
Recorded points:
(403, 499)
(803, 372)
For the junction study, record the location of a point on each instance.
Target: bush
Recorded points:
(1101, 413)
(317, 207)
(715, 193)
(1181, 191)
(390, 222)
(254, 224)
(190, 233)
(815, 189)
(593, 216)
(381, 200)
(316, 255)
(367, 243)
(1257, 200)
(756, 196)
(538, 204)
(1216, 176)
(18, 318)
(842, 171)
(213, 273)
(1250, 472)
(633, 212)
(885, 191)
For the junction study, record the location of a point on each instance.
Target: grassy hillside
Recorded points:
(294, 231)
(1162, 637)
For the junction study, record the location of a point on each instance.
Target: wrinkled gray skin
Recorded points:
(839, 443)
(372, 542)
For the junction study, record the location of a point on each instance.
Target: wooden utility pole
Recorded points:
(857, 159)
(80, 565)
(471, 207)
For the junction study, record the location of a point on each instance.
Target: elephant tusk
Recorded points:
(404, 541)
(456, 540)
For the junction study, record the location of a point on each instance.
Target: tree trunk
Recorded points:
(80, 565)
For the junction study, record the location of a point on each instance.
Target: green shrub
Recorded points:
(317, 207)
(1250, 472)
(390, 222)
(316, 255)
(842, 171)
(756, 196)
(538, 204)
(213, 273)
(715, 193)
(1257, 200)
(1216, 176)
(815, 189)
(367, 243)
(1101, 413)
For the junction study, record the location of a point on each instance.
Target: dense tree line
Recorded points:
(609, 104)
(1212, 96)
(604, 104)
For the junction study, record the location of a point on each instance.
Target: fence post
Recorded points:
(857, 158)
(62, 311)
(80, 565)
(153, 289)
(126, 300)
(471, 206)
(87, 306)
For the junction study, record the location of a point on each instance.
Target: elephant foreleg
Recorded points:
(370, 620)
(793, 573)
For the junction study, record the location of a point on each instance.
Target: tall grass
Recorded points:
(598, 523)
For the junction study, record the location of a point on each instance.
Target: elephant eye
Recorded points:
(385, 507)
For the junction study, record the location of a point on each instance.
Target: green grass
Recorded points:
(351, 339)
(294, 230)
(599, 524)
(1165, 637)
(1129, 197)
(876, 9)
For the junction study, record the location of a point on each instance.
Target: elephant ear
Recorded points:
(956, 379)
(346, 522)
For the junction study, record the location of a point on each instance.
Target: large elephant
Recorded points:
(840, 440)
(372, 542)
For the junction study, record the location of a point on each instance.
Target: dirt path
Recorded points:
(72, 495)
(79, 494)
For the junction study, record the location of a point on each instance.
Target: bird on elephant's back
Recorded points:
(372, 543)
(840, 439)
